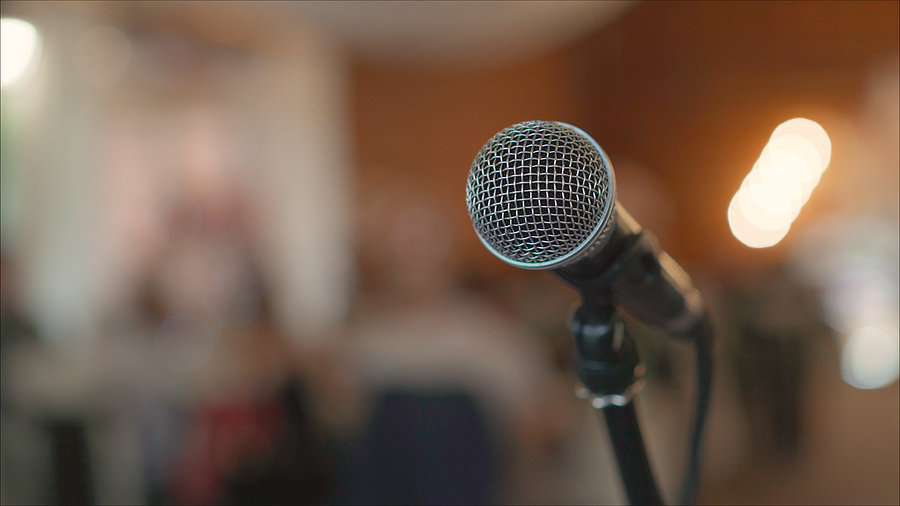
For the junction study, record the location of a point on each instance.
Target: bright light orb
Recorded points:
(750, 234)
(20, 50)
(809, 130)
(870, 358)
(799, 159)
(764, 206)
(780, 182)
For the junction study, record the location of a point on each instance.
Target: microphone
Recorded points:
(542, 195)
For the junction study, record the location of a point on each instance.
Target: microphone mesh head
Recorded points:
(540, 194)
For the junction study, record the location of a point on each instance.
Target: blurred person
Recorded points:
(459, 399)
(45, 454)
(15, 329)
(450, 379)
(250, 433)
(254, 438)
(24, 446)
(777, 326)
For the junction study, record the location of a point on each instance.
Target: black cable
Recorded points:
(628, 445)
(604, 369)
(702, 335)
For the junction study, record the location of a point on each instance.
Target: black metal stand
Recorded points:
(608, 366)
(632, 272)
(625, 434)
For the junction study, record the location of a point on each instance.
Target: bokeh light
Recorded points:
(20, 50)
(764, 205)
(102, 54)
(798, 157)
(853, 266)
(860, 295)
(811, 131)
(776, 178)
(750, 234)
(781, 181)
(870, 358)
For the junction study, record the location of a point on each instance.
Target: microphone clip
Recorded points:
(606, 358)
(633, 272)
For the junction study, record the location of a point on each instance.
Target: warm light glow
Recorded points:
(750, 234)
(796, 158)
(20, 49)
(870, 358)
(809, 130)
(781, 181)
(764, 205)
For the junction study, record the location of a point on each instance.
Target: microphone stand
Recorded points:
(629, 272)
(608, 365)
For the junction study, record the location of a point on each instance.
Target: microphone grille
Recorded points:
(540, 193)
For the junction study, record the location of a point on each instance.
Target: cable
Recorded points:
(702, 335)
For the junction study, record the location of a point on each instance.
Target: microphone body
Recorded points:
(542, 195)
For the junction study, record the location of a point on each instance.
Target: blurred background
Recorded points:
(237, 266)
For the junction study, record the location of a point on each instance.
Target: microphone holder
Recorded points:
(541, 196)
(607, 363)
(631, 271)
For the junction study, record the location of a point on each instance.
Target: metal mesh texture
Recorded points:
(537, 191)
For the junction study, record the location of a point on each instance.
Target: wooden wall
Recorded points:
(690, 90)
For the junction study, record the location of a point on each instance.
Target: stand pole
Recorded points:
(607, 364)
(625, 434)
